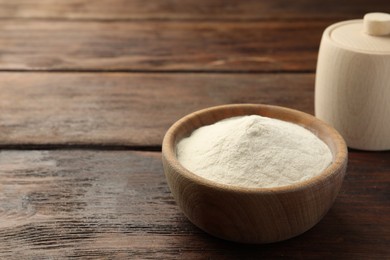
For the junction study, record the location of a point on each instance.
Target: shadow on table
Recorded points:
(334, 236)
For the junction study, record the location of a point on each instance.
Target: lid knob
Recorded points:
(377, 24)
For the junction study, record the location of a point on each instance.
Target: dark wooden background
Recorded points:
(88, 89)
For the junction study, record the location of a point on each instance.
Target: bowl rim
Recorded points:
(339, 159)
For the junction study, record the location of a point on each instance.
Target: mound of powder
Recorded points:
(254, 151)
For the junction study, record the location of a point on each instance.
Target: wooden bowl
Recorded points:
(253, 215)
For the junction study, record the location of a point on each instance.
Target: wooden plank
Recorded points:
(189, 9)
(159, 46)
(128, 109)
(116, 204)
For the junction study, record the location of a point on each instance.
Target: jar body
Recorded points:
(352, 93)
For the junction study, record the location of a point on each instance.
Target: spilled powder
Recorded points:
(254, 151)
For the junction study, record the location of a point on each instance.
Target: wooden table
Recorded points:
(88, 89)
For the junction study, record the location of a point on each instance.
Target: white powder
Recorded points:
(254, 151)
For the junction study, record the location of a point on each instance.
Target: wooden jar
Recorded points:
(352, 91)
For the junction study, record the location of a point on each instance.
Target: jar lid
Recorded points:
(370, 35)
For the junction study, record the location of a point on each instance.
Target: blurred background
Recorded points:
(89, 88)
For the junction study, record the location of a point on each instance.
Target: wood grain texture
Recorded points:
(255, 215)
(188, 9)
(116, 204)
(128, 109)
(352, 91)
(160, 46)
(97, 204)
